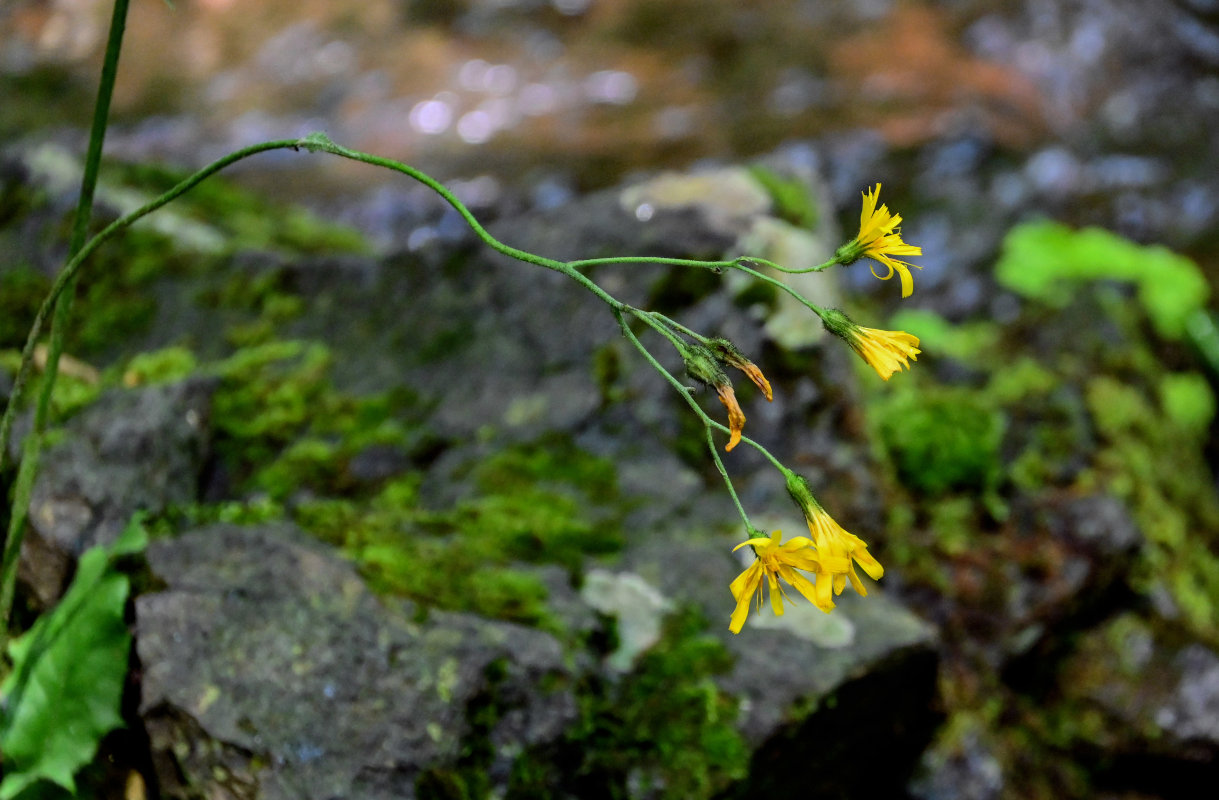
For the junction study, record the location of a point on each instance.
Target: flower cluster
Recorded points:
(829, 553)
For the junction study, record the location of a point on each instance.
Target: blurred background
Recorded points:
(1040, 487)
(1092, 111)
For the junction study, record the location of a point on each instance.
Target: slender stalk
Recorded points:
(714, 266)
(719, 465)
(63, 313)
(778, 284)
(75, 264)
(677, 326)
(789, 270)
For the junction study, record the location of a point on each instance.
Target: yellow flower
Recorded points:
(885, 351)
(777, 559)
(736, 417)
(838, 549)
(880, 239)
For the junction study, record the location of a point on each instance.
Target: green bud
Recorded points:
(726, 352)
(837, 323)
(849, 253)
(702, 365)
(799, 490)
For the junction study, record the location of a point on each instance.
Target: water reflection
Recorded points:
(1053, 101)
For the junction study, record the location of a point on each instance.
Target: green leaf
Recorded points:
(1046, 261)
(64, 692)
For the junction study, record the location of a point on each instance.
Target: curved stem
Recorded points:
(714, 266)
(788, 270)
(321, 143)
(77, 261)
(777, 284)
(677, 326)
(63, 312)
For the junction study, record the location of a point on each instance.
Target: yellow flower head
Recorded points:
(885, 351)
(837, 548)
(880, 239)
(777, 559)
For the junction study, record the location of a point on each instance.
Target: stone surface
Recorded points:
(267, 665)
(817, 691)
(131, 450)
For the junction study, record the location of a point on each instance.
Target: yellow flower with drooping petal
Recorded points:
(836, 547)
(778, 559)
(885, 351)
(880, 239)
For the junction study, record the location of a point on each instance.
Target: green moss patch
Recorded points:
(1046, 260)
(941, 438)
(664, 731)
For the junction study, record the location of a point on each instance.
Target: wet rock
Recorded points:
(131, 450)
(817, 691)
(268, 665)
(1078, 577)
(968, 770)
(1143, 703)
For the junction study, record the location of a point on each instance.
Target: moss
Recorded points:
(1043, 259)
(405, 550)
(71, 394)
(663, 731)
(954, 524)
(160, 366)
(267, 396)
(543, 502)
(22, 289)
(792, 199)
(941, 438)
(551, 459)
(257, 511)
(607, 373)
(1188, 401)
(1156, 466)
(244, 220)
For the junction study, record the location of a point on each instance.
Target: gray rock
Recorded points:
(1148, 702)
(965, 770)
(141, 449)
(267, 665)
(817, 691)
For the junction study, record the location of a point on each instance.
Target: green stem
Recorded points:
(63, 313)
(778, 284)
(788, 270)
(708, 423)
(677, 326)
(75, 264)
(714, 266)
(321, 143)
(719, 465)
